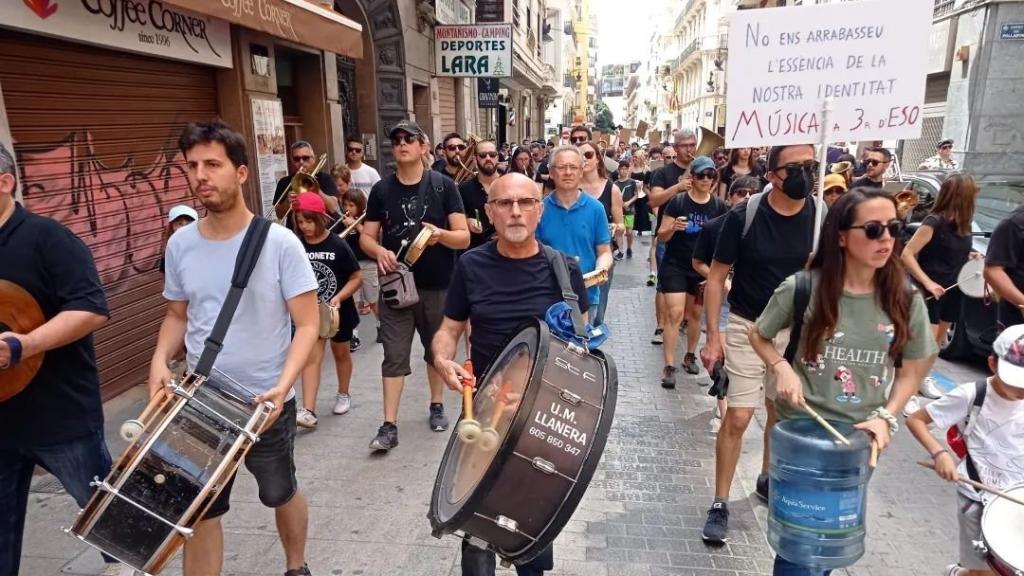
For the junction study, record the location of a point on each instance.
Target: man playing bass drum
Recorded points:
(496, 287)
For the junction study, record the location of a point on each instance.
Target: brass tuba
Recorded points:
(709, 142)
(467, 164)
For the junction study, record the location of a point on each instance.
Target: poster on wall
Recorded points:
(271, 158)
(8, 142)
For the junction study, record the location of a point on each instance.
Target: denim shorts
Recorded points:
(272, 462)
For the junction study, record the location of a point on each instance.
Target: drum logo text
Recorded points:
(565, 365)
(560, 420)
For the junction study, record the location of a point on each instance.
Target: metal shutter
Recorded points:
(446, 104)
(95, 132)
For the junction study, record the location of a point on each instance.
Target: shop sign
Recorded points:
(147, 26)
(271, 156)
(869, 59)
(452, 12)
(487, 92)
(473, 50)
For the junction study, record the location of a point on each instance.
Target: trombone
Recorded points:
(344, 233)
(301, 182)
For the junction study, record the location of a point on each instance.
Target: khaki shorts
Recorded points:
(747, 375)
(370, 288)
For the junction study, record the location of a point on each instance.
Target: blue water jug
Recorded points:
(818, 494)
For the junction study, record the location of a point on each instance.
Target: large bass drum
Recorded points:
(1002, 524)
(545, 407)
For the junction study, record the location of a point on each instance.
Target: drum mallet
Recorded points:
(978, 485)
(824, 424)
(947, 289)
(489, 438)
(468, 429)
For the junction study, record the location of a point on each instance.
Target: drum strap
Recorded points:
(980, 391)
(561, 270)
(421, 198)
(801, 298)
(245, 262)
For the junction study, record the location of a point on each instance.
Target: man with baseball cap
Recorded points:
(943, 159)
(990, 417)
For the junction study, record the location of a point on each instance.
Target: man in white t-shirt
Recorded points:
(994, 435)
(364, 176)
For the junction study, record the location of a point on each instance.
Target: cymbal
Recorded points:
(20, 313)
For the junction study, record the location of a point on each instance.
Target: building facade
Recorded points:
(701, 44)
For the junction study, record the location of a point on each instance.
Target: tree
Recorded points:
(603, 119)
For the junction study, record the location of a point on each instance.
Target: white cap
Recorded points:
(1009, 348)
(182, 210)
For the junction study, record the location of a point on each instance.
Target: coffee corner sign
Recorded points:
(473, 50)
(146, 26)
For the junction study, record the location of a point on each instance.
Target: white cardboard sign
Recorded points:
(473, 50)
(869, 58)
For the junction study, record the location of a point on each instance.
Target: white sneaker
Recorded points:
(952, 570)
(117, 569)
(930, 388)
(305, 418)
(912, 405)
(342, 404)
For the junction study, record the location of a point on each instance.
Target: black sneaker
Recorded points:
(618, 256)
(716, 525)
(690, 364)
(353, 344)
(438, 421)
(668, 377)
(657, 338)
(301, 571)
(761, 486)
(380, 339)
(387, 437)
(629, 252)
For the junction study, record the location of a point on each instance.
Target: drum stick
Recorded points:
(978, 485)
(467, 400)
(824, 424)
(971, 277)
(873, 459)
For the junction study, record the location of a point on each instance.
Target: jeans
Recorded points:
(784, 567)
(75, 463)
(602, 305)
(479, 562)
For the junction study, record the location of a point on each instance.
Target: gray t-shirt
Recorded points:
(199, 272)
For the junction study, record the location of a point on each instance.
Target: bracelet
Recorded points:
(15, 345)
(894, 424)
(938, 453)
(773, 364)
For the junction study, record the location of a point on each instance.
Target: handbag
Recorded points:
(398, 288)
(330, 320)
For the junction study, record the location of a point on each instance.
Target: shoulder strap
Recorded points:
(748, 218)
(561, 270)
(245, 262)
(980, 391)
(801, 299)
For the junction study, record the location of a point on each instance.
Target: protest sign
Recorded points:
(870, 59)
(473, 50)
(641, 129)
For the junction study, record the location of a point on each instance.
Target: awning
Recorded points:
(295, 20)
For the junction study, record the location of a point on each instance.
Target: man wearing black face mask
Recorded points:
(762, 249)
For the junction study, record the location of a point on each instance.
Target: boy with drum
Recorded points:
(994, 436)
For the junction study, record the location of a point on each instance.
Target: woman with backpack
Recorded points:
(864, 328)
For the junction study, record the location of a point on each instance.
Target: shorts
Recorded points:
(968, 517)
(628, 220)
(674, 278)
(272, 462)
(747, 374)
(370, 288)
(397, 327)
(945, 309)
(345, 332)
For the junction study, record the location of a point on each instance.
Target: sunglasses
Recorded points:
(742, 192)
(589, 154)
(872, 162)
(407, 138)
(356, 150)
(454, 147)
(525, 204)
(487, 155)
(705, 175)
(301, 158)
(946, 147)
(578, 140)
(835, 190)
(874, 230)
(810, 165)
(668, 157)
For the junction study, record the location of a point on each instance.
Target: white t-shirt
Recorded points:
(995, 436)
(199, 272)
(364, 178)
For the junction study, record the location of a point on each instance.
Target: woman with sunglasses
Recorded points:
(940, 248)
(835, 186)
(865, 328)
(596, 183)
(742, 162)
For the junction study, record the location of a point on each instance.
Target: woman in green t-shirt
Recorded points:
(862, 316)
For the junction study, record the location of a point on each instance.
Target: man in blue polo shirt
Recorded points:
(572, 221)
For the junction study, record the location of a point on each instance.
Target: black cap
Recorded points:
(407, 126)
(947, 141)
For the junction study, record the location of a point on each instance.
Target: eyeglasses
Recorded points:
(525, 204)
(454, 147)
(578, 140)
(810, 166)
(356, 150)
(407, 138)
(705, 175)
(589, 154)
(872, 162)
(301, 158)
(486, 154)
(566, 167)
(874, 230)
(685, 145)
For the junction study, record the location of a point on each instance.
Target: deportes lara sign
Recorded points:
(870, 59)
(146, 26)
(473, 50)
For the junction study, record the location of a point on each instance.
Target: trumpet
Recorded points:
(906, 201)
(301, 182)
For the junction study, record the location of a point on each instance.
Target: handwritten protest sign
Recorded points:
(869, 58)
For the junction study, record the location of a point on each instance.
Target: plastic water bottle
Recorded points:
(818, 494)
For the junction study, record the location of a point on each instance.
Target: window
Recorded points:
(515, 14)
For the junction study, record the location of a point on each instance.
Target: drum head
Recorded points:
(419, 244)
(1002, 525)
(971, 279)
(19, 313)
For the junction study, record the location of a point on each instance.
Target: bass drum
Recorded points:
(545, 407)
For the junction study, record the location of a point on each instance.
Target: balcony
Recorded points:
(943, 7)
(682, 15)
(690, 50)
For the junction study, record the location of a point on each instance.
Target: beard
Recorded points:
(452, 160)
(222, 201)
(487, 169)
(516, 234)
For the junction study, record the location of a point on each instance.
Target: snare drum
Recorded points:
(1002, 533)
(163, 483)
(546, 407)
(418, 245)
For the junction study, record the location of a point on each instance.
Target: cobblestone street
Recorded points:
(641, 517)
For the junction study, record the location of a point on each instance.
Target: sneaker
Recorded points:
(761, 486)
(618, 255)
(117, 569)
(952, 570)
(716, 525)
(342, 404)
(930, 388)
(657, 338)
(651, 278)
(912, 405)
(668, 377)
(380, 339)
(386, 439)
(438, 421)
(354, 343)
(629, 252)
(682, 327)
(690, 364)
(306, 418)
(300, 571)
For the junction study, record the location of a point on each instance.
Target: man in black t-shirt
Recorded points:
(302, 157)
(474, 193)
(56, 421)
(776, 245)
(397, 208)
(876, 162)
(496, 288)
(1004, 267)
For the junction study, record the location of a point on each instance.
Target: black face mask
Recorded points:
(798, 183)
